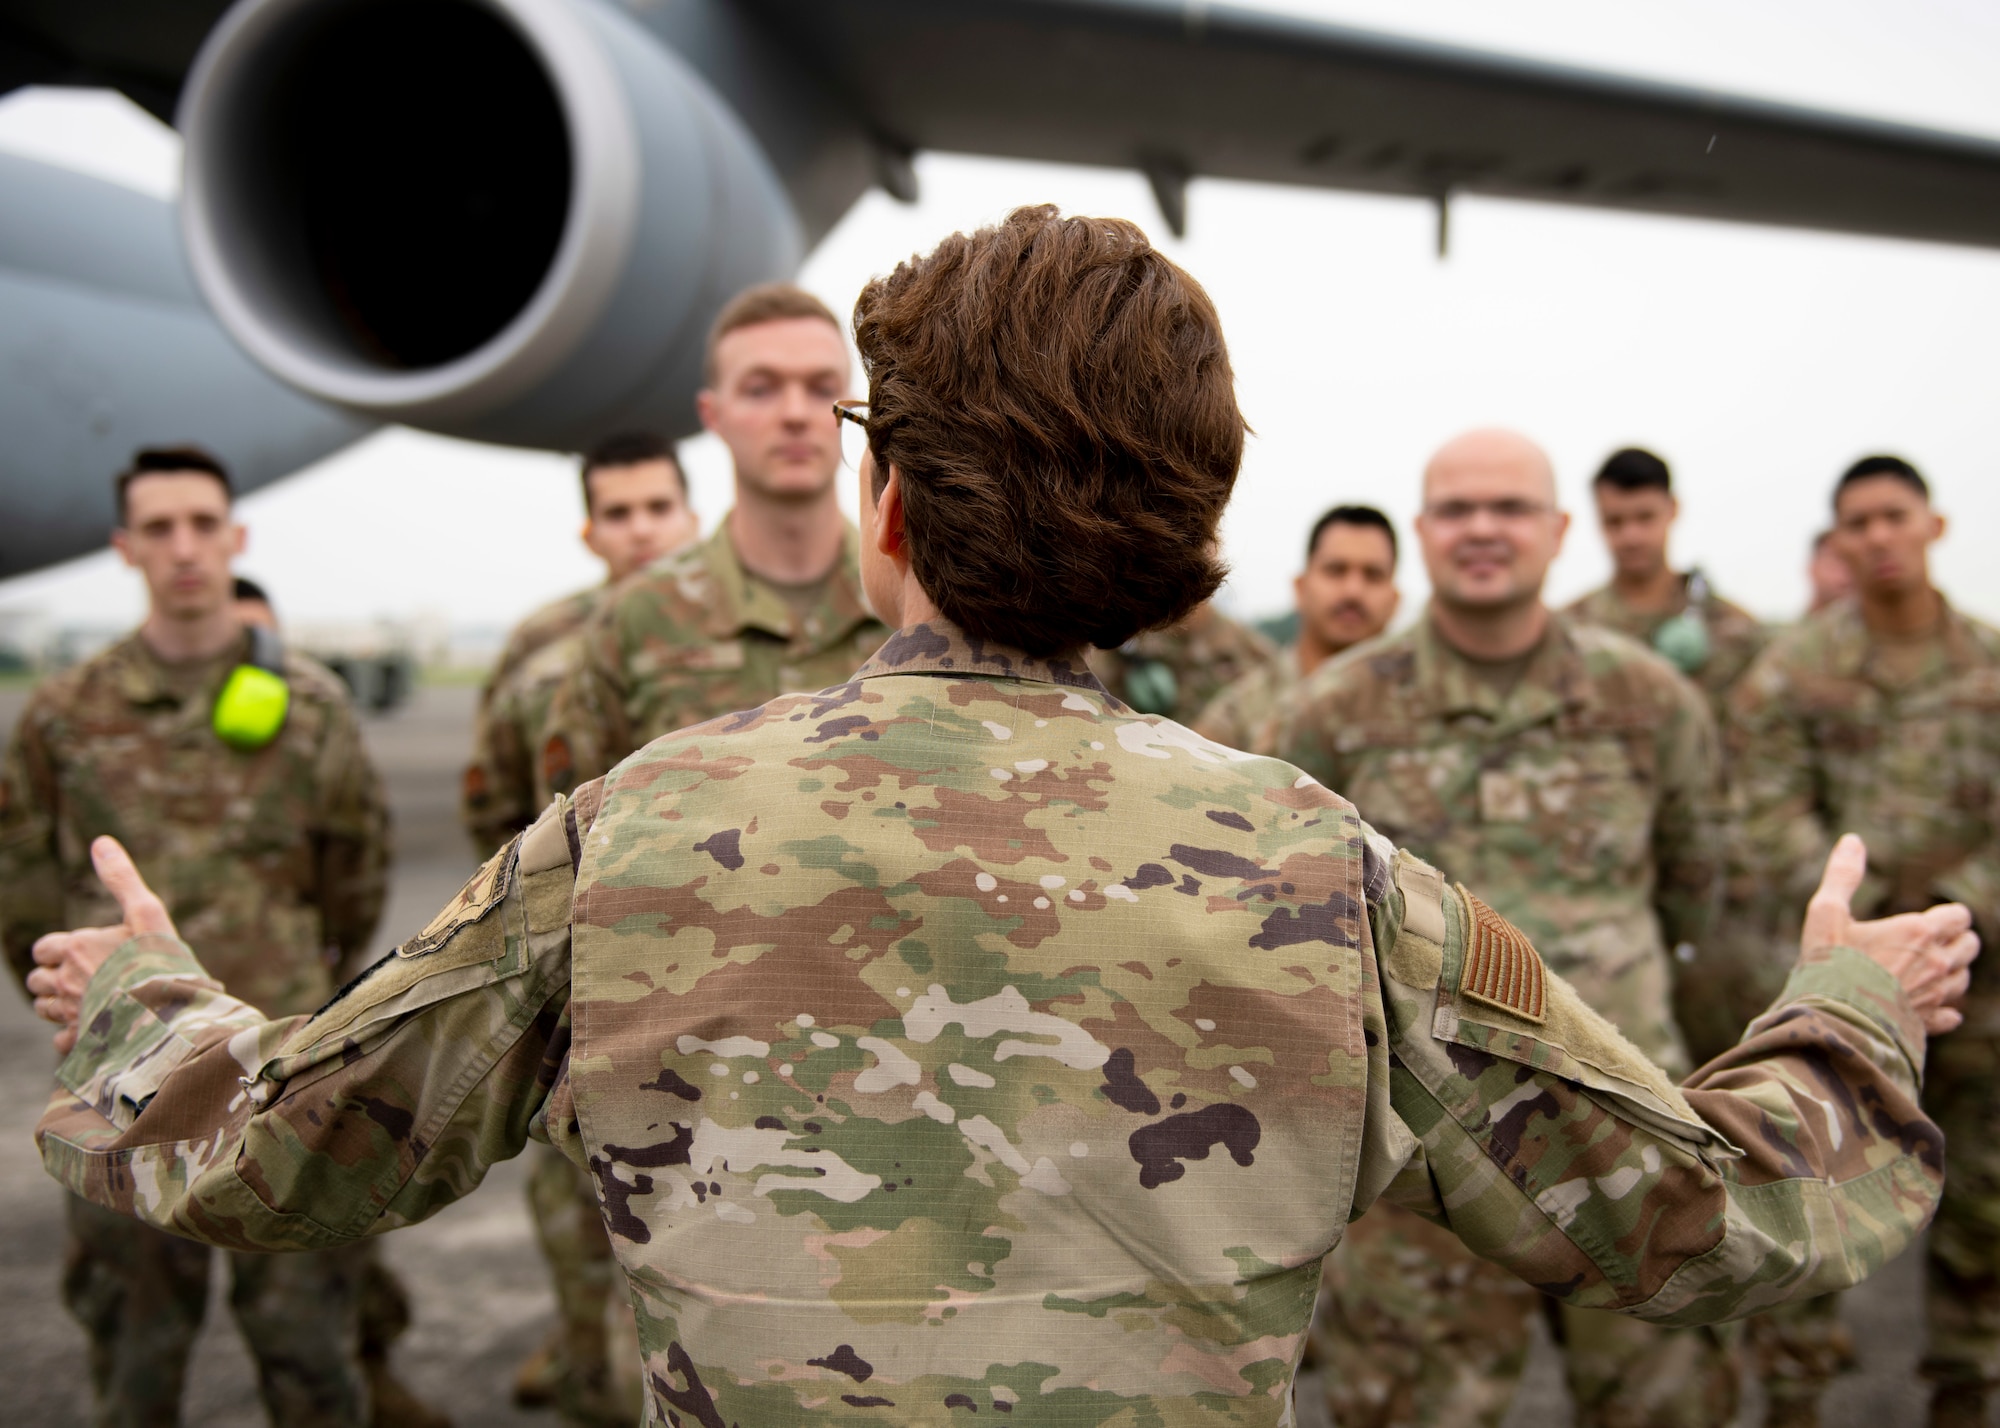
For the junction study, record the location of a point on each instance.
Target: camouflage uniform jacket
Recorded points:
(274, 861)
(955, 1038)
(1201, 655)
(1584, 804)
(1826, 741)
(1245, 714)
(692, 636)
(1734, 635)
(502, 791)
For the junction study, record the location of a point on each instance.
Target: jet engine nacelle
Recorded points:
(511, 220)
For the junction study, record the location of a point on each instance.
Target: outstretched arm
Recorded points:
(1794, 1165)
(188, 1109)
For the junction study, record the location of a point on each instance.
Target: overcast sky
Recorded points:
(1759, 362)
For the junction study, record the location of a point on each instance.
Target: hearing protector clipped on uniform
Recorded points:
(1150, 684)
(1683, 640)
(250, 711)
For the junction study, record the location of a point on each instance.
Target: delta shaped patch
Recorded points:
(1502, 968)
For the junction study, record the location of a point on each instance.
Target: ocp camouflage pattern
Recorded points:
(692, 636)
(1246, 714)
(501, 790)
(1827, 736)
(1200, 657)
(1734, 635)
(1585, 804)
(274, 861)
(954, 1040)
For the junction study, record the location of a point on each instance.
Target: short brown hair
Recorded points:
(162, 460)
(1058, 400)
(630, 448)
(767, 302)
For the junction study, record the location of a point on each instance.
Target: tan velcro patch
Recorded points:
(477, 898)
(1502, 968)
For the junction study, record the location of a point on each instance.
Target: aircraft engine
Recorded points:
(511, 220)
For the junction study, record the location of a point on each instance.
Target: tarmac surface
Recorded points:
(481, 1297)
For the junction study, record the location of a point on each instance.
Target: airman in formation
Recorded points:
(969, 1034)
(636, 510)
(1346, 594)
(235, 772)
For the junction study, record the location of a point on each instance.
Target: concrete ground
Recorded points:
(481, 1298)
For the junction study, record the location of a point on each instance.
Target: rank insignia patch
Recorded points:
(1502, 968)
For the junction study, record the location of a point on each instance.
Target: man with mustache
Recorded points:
(955, 1041)
(1346, 595)
(1572, 775)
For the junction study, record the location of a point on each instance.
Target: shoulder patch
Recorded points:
(477, 898)
(1502, 968)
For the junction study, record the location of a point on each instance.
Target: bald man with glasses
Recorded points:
(1575, 774)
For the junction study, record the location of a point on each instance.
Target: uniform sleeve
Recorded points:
(1783, 836)
(189, 1110)
(497, 794)
(1301, 734)
(1221, 719)
(589, 726)
(1689, 822)
(351, 842)
(1794, 1165)
(31, 891)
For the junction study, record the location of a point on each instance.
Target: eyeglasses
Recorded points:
(1508, 510)
(853, 423)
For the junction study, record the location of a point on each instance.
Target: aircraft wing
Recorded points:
(514, 220)
(1182, 88)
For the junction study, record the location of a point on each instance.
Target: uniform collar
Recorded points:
(1555, 679)
(940, 647)
(1607, 602)
(1852, 647)
(142, 676)
(744, 603)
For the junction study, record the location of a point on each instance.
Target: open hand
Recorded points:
(1929, 952)
(66, 961)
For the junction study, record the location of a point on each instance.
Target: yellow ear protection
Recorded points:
(250, 711)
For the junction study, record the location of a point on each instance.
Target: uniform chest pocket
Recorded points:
(1408, 791)
(1584, 797)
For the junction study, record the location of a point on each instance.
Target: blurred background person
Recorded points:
(1676, 613)
(1345, 595)
(1576, 774)
(1827, 574)
(1881, 716)
(236, 775)
(772, 601)
(636, 510)
(253, 607)
(1177, 671)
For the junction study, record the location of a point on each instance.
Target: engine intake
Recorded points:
(505, 219)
